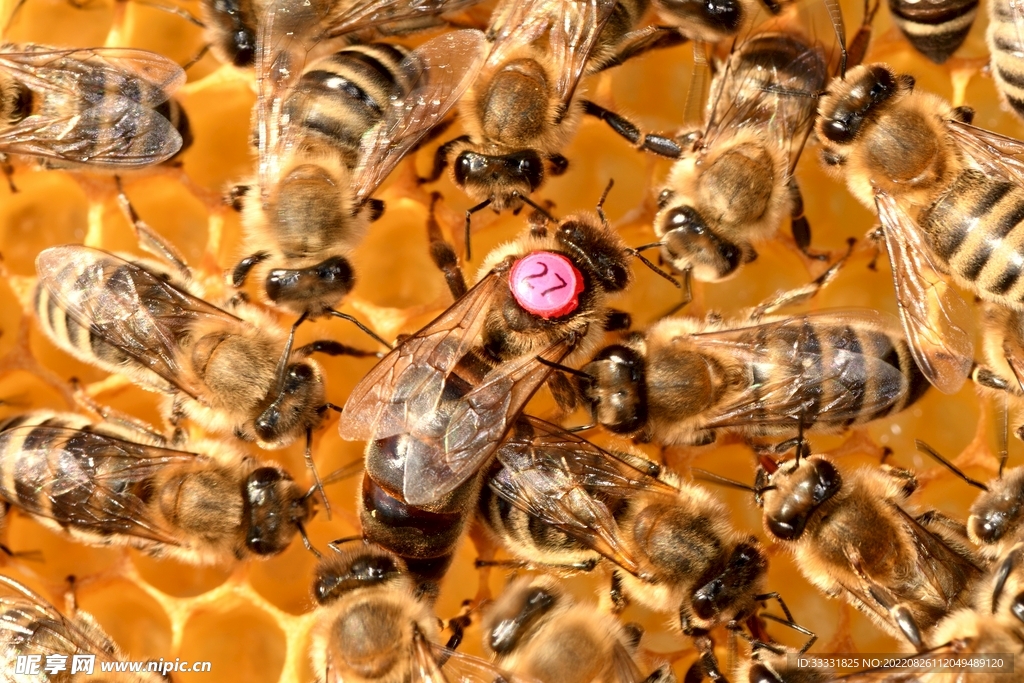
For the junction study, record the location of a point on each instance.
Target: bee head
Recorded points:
(798, 493)
(287, 412)
(858, 98)
(744, 571)
(596, 250)
(512, 619)
(997, 512)
(274, 509)
(313, 288)
(691, 244)
(616, 389)
(359, 567)
(502, 178)
(713, 19)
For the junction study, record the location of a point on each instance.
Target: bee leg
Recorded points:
(637, 43)
(8, 171)
(706, 649)
(663, 674)
(441, 158)
(658, 144)
(788, 621)
(196, 58)
(687, 289)
(858, 46)
(149, 239)
(442, 253)
(1003, 573)
(932, 519)
(142, 431)
(333, 348)
(618, 598)
(308, 456)
(802, 294)
(458, 625)
(800, 226)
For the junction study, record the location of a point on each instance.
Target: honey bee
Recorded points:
(1005, 47)
(374, 624)
(853, 533)
(947, 197)
(1002, 371)
(535, 629)
(687, 380)
(435, 409)
(232, 26)
(233, 372)
(102, 485)
(329, 132)
(31, 626)
(526, 105)
(733, 182)
(766, 665)
(107, 108)
(560, 500)
(936, 28)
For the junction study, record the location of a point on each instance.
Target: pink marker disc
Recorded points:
(546, 284)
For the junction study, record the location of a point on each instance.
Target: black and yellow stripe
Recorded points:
(935, 28)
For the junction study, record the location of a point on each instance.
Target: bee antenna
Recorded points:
(564, 368)
(306, 542)
(1004, 435)
(644, 260)
(537, 207)
(601, 201)
(318, 484)
(711, 477)
(361, 326)
(336, 544)
(928, 450)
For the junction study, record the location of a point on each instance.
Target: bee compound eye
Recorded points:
(546, 284)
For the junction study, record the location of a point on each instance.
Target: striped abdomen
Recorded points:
(1006, 48)
(88, 343)
(936, 28)
(63, 469)
(346, 94)
(974, 227)
(840, 374)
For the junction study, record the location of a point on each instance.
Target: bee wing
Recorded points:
(96, 471)
(809, 381)
(109, 134)
(443, 68)
(437, 664)
(577, 25)
(138, 312)
(26, 618)
(561, 478)
(775, 99)
(435, 466)
(937, 558)
(626, 670)
(404, 388)
(937, 322)
(349, 17)
(515, 24)
(994, 153)
(287, 33)
(95, 74)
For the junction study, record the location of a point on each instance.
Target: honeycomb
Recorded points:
(251, 621)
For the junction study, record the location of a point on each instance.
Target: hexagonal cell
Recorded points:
(177, 579)
(241, 642)
(135, 621)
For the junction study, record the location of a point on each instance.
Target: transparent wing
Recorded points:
(626, 670)
(574, 32)
(477, 425)
(137, 311)
(937, 322)
(94, 74)
(93, 486)
(437, 664)
(567, 482)
(769, 90)
(936, 558)
(117, 132)
(515, 24)
(444, 67)
(793, 377)
(31, 625)
(349, 17)
(404, 388)
(994, 153)
(287, 34)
